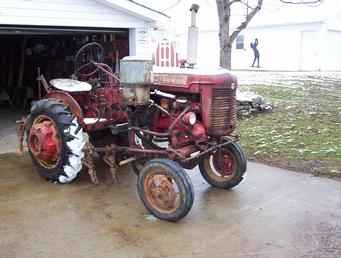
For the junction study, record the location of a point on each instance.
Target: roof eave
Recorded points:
(136, 9)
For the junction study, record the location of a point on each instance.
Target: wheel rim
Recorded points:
(223, 164)
(162, 192)
(44, 141)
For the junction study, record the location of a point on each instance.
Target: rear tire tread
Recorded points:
(72, 138)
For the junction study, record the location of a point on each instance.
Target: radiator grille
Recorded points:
(223, 109)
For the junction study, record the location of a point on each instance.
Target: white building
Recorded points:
(32, 17)
(43, 36)
(291, 37)
(295, 44)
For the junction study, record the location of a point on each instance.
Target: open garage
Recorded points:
(40, 36)
(27, 52)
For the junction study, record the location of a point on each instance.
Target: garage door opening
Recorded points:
(25, 51)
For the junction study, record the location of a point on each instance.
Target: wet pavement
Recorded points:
(8, 132)
(273, 213)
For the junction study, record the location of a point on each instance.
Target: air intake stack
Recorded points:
(193, 33)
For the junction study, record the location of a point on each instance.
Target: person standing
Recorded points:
(254, 46)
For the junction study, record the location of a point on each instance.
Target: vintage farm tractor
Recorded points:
(159, 120)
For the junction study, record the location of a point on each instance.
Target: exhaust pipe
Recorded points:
(192, 41)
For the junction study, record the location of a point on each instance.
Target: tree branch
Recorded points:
(303, 2)
(234, 1)
(248, 18)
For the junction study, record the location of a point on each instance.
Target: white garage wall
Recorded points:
(280, 47)
(140, 43)
(77, 13)
(208, 48)
(332, 47)
(82, 13)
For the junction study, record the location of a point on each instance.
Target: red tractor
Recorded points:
(158, 120)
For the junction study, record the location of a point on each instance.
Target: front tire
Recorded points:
(225, 167)
(55, 141)
(165, 189)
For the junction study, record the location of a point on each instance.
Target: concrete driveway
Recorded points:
(273, 213)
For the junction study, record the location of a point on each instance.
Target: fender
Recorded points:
(68, 101)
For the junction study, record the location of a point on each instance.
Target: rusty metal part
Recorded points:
(149, 132)
(44, 141)
(186, 150)
(68, 101)
(135, 94)
(224, 163)
(89, 162)
(89, 51)
(21, 124)
(207, 151)
(161, 192)
(223, 111)
(176, 120)
(116, 148)
(110, 159)
(41, 79)
(126, 161)
(159, 107)
(106, 70)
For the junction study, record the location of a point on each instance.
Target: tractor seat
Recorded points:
(70, 85)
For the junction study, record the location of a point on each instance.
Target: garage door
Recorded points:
(310, 56)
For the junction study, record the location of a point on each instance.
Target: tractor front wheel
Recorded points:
(165, 189)
(55, 141)
(225, 167)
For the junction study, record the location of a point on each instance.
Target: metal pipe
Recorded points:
(126, 161)
(207, 151)
(194, 9)
(179, 117)
(100, 67)
(149, 132)
(193, 34)
(159, 107)
(164, 94)
(130, 149)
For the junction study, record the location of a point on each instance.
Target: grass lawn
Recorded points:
(302, 133)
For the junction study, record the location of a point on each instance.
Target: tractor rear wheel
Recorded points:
(165, 189)
(225, 167)
(55, 141)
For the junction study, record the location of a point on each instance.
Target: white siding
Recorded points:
(208, 48)
(281, 48)
(300, 47)
(82, 13)
(332, 59)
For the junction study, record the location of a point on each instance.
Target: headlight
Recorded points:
(190, 118)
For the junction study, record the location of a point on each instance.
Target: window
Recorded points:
(240, 42)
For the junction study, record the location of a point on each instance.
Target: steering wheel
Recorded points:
(86, 57)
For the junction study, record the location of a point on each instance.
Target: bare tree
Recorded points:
(224, 13)
(225, 37)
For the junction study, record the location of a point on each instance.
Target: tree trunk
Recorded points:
(225, 38)
(226, 55)
(223, 7)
